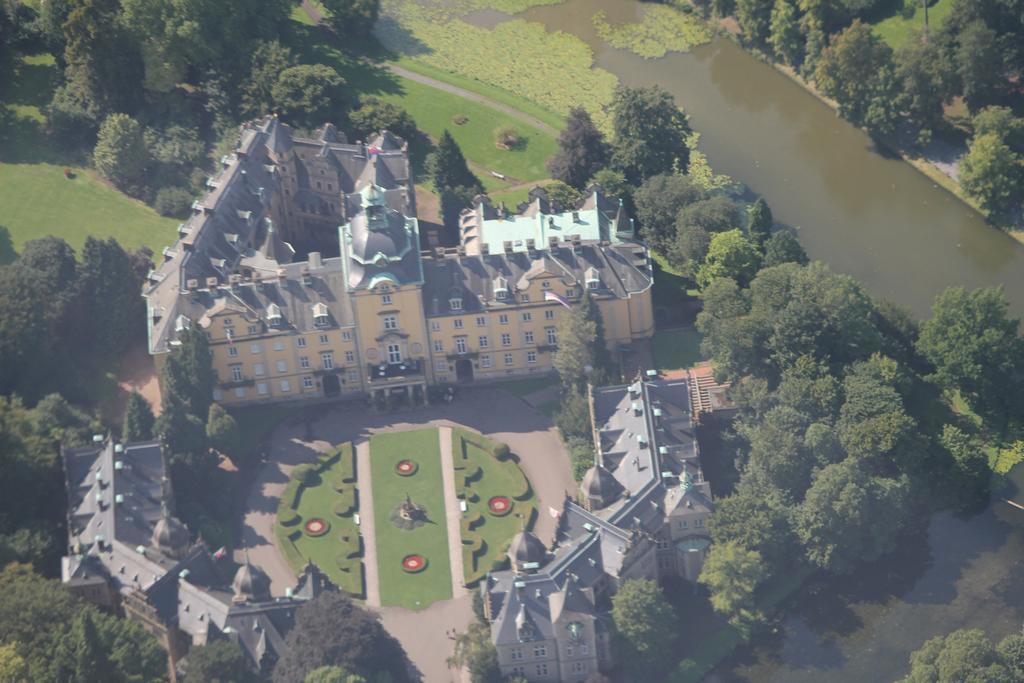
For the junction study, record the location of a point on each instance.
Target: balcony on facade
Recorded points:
(379, 373)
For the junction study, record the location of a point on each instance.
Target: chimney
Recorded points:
(485, 249)
(314, 260)
(507, 245)
(211, 283)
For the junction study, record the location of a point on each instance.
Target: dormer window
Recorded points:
(592, 278)
(455, 303)
(274, 314)
(500, 288)
(501, 294)
(320, 315)
(182, 323)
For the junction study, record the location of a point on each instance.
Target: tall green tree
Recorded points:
(756, 516)
(452, 179)
(333, 674)
(110, 291)
(81, 654)
(582, 150)
(220, 662)
(475, 652)
(121, 154)
(269, 59)
(187, 373)
(651, 133)
(781, 248)
(732, 573)
(352, 18)
(311, 94)
(761, 222)
(856, 71)
(980, 65)
(754, 17)
(375, 115)
(730, 255)
(976, 349)
(964, 655)
(138, 419)
(642, 616)
(785, 37)
(991, 173)
(577, 338)
(659, 200)
(927, 79)
(223, 431)
(331, 630)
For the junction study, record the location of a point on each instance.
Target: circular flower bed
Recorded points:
(406, 468)
(316, 527)
(499, 506)
(414, 563)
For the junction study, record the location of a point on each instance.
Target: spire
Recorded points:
(275, 248)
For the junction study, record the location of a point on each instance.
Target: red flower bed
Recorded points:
(499, 506)
(316, 527)
(406, 468)
(414, 563)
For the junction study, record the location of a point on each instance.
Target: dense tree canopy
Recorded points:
(732, 574)
(991, 173)
(333, 631)
(730, 255)
(219, 662)
(651, 133)
(582, 150)
(964, 655)
(352, 18)
(658, 202)
(642, 617)
(856, 71)
(310, 94)
(121, 153)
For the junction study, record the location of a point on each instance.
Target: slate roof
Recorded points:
(116, 495)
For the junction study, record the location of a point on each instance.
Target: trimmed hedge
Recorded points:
(306, 475)
(289, 517)
(502, 451)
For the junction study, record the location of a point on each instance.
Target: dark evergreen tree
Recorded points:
(80, 656)
(353, 18)
(927, 79)
(223, 432)
(582, 150)
(138, 419)
(761, 222)
(188, 375)
(448, 168)
(219, 662)
(651, 134)
(269, 59)
(111, 297)
(659, 201)
(980, 65)
(781, 248)
(310, 95)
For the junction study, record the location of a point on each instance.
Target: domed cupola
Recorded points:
(600, 487)
(250, 583)
(170, 536)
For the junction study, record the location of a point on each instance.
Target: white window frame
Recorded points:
(549, 314)
(457, 323)
(394, 352)
(350, 356)
(509, 359)
(286, 386)
(528, 337)
(438, 346)
(391, 322)
(484, 341)
(300, 342)
(485, 362)
(503, 318)
(282, 366)
(506, 339)
(481, 321)
(259, 370)
(324, 339)
(327, 360)
(262, 389)
(527, 316)
(385, 299)
(307, 382)
(255, 349)
(304, 362)
(232, 351)
(460, 345)
(531, 356)
(552, 335)
(236, 373)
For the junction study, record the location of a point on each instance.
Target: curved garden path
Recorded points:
(495, 413)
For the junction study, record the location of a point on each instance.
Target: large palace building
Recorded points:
(304, 267)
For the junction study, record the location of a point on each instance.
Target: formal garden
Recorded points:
(499, 502)
(316, 519)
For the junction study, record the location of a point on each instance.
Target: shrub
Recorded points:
(507, 137)
(474, 520)
(502, 451)
(340, 486)
(306, 475)
(460, 119)
(288, 517)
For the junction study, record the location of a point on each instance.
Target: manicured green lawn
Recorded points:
(38, 200)
(425, 488)
(675, 349)
(897, 30)
(485, 537)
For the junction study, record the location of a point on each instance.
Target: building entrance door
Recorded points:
(332, 387)
(464, 370)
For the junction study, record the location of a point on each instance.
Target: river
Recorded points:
(881, 221)
(865, 214)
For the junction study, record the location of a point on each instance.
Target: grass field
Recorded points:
(485, 537)
(896, 30)
(38, 200)
(674, 349)
(414, 591)
(435, 110)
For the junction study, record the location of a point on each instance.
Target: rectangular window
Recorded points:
(228, 322)
(460, 344)
(435, 326)
(579, 667)
(517, 653)
(455, 304)
(531, 356)
(484, 342)
(570, 292)
(346, 335)
(568, 650)
(255, 348)
(457, 323)
(352, 375)
(485, 361)
(262, 388)
(441, 365)
(481, 321)
(540, 651)
(699, 522)
(394, 353)
(527, 316)
(253, 329)
(528, 337)
(385, 299)
(304, 362)
(584, 649)
(549, 314)
(509, 360)
(503, 318)
(279, 346)
(286, 386)
(506, 339)
(683, 524)
(258, 369)
(390, 322)
(545, 284)
(282, 366)
(233, 351)
(350, 356)
(236, 373)
(300, 342)
(552, 335)
(438, 346)
(239, 392)
(307, 382)
(327, 360)
(324, 339)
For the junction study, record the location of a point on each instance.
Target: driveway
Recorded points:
(489, 410)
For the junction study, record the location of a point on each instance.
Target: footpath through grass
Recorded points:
(480, 476)
(37, 199)
(425, 488)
